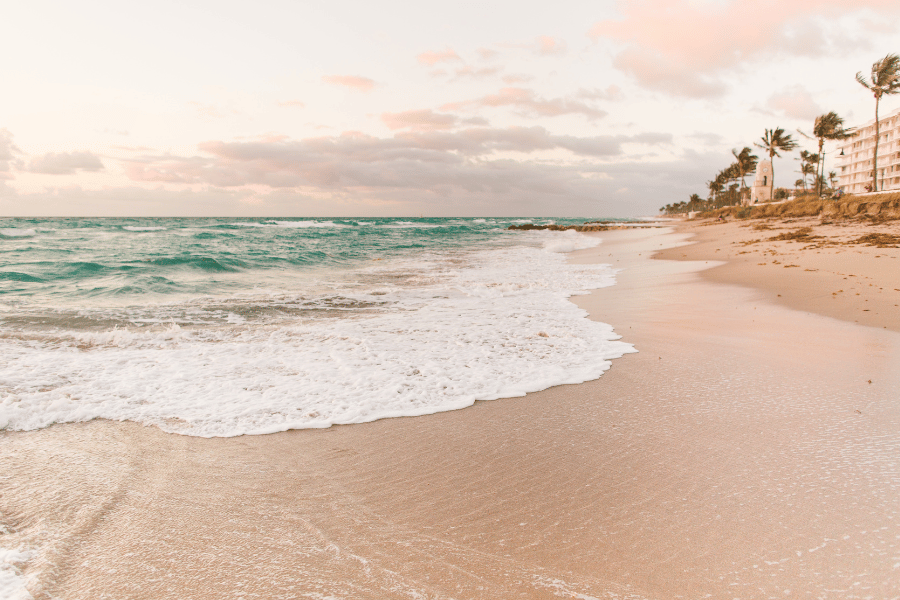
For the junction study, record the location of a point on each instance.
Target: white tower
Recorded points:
(761, 190)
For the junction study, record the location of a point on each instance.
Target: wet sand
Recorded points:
(748, 450)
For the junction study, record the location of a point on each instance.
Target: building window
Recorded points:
(765, 180)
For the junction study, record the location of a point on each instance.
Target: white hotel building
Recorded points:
(855, 166)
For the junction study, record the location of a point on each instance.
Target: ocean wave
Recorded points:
(205, 263)
(16, 276)
(569, 241)
(305, 224)
(445, 331)
(411, 225)
(17, 233)
(289, 224)
(136, 228)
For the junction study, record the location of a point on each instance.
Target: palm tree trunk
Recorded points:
(875, 155)
(822, 163)
(772, 183)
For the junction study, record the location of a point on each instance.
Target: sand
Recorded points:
(749, 450)
(825, 270)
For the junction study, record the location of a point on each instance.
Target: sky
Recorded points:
(358, 108)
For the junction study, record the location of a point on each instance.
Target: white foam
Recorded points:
(14, 232)
(305, 224)
(567, 241)
(410, 225)
(12, 584)
(290, 224)
(135, 228)
(449, 335)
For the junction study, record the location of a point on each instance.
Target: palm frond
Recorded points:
(862, 81)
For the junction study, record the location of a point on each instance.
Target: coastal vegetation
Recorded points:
(878, 207)
(725, 191)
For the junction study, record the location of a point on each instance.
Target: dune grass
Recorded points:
(876, 207)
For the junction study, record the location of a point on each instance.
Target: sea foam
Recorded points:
(448, 331)
(12, 584)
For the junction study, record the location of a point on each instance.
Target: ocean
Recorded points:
(228, 326)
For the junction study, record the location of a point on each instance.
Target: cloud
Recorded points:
(8, 152)
(139, 201)
(685, 47)
(487, 53)
(549, 46)
(475, 72)
(466, 172)
(362, 84)
(65, 163)
(795, 102)
(613, 92)
(426, 120)
(528, 104)
(517, 78)
(426, 162)
(292, 104)
(707, 138)
(433, 57)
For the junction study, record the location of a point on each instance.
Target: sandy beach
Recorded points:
(846, 269)
(748, 450)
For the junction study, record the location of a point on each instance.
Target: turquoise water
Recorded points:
(66, 261)
(220, 327)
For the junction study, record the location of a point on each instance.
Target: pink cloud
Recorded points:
(612, 92)
(548, 45)
(529, 104)
(683, 47)
(795, 102)
(419, 120)
(476, 72)
(432, 57)
(487, 53)
(292, 104)
(362, 84)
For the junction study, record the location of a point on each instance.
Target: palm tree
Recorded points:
(832, 178)
(773, 142)
(828, 127)
(809, 165)
(694, 202)
(722, 181)
(715, 187)
(746, 163)
(885, 80)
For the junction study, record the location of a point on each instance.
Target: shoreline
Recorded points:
(739, 453)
